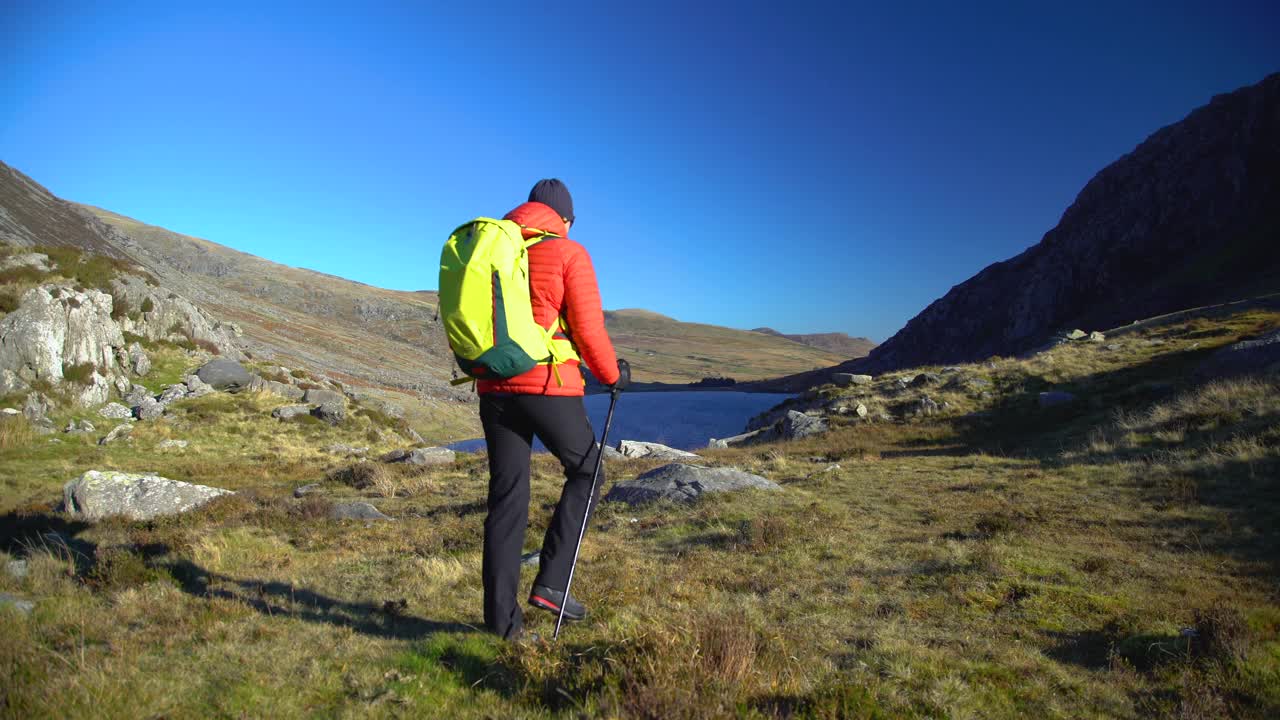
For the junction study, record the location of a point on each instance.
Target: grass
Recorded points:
(1115, 557)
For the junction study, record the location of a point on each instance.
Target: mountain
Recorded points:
(663, 349)
(380, 340)
(1190, 217)
(838, 343)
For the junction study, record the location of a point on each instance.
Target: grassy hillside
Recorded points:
(838, 343)
(1112, 557)
(663, 349)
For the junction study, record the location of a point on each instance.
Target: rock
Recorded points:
(925, 406)
(356, 511)
(136, 395)
(306, 489)
(289, 412)
(847, 379)
(116, 433)
(421, 456)
(798, 425)
(748, 438)
(10, 382)
(1054, 398)
(36, 261)
(148, 409)
(951, 370)
(684, 483)
(55, 328)
(1075, 335)
(389, 409)
(13, 601)
(611, 454)
(171, 317)
(197, 387)
(323, 397)
(413, 436)
(173, 444)
(531, 559)
(654, 451)
(861, 411)
(138, 360)
(347, 450)
(902, 383)
(284, 390)
(99, 494)
(1112, 346)
(224, 374)
(10, 412)
(330, 412)
(79, 426)
(171, 393)
(1258, 354)
(36, 407)
(16, 569)
(925, 380)
(1097, 337)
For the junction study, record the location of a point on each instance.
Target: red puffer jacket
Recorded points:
(561, 282)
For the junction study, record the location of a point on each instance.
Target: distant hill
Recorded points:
(1191, 217)
(838, 343)
(663, 349)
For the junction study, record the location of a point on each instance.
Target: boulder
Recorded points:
(651, 450)
(331, 412)
(169, 311)
(316, 396)
(413, 436)
(421, 456)
(289, 412)
(224, 374)
(861, 411)
(798, 425)
(389, 409)
(18, 604)
(138, 360)
(135, 396)
(847, 379)
(925, 380)
(36, 407)
(284, 390)
(304, 490)
(56, 327)
(1247, 356)
(11, 383)
(79, 426)
(171, 393)
(747, 438)
(684, 483)
(196, 387)
(1075, 335)
(1053, 398)
(115, 411)
(116, 433)
(173, 444)
(99, 494)
(148, 409)
(356, 511)
(1097, 337)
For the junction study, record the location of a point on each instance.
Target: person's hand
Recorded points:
(624, 376)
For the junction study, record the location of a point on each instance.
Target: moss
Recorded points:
(147, 305)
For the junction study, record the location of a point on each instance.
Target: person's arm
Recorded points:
(584, 314)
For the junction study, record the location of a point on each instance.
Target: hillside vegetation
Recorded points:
(1114, 556)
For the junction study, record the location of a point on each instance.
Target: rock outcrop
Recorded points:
(1200, 193)
(100, 494)
(684, 483)
(55, 329)
(653, 451)
(1258, 354)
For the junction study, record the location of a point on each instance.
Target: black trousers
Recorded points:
(510, 422)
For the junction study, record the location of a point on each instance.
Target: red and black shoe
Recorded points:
(544, 598)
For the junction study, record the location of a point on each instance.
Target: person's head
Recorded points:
(553, 193)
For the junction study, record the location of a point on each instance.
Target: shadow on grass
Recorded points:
(22, 533)
(278, 599)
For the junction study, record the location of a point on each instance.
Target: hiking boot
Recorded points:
(544, 598)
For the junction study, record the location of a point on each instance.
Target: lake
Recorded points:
(683, 419)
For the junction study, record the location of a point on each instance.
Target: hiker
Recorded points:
(545, 401)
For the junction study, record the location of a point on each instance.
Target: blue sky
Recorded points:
(806, 166)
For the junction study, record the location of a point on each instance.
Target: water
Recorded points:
(684, 420)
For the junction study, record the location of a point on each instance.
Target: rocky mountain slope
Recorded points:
(836, 342)
(1191, 217)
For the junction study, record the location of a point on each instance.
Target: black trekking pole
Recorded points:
(595, 476)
